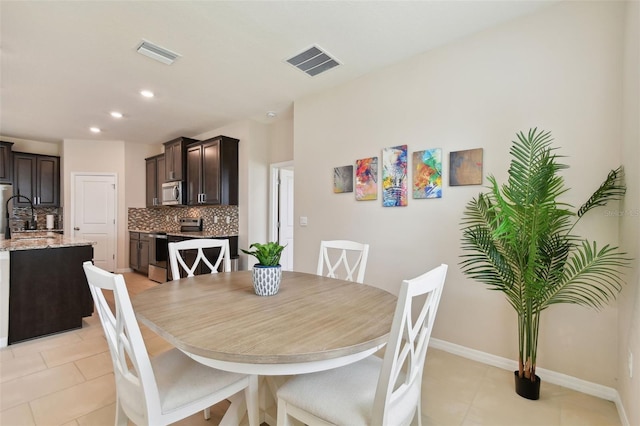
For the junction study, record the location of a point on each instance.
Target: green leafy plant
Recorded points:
(267, 254)
(519, 240)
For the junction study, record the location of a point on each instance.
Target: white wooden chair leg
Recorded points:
(251, 397)
(283, 417)
(207, 413)
(121, 417)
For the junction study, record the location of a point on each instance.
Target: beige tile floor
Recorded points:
(67, 379)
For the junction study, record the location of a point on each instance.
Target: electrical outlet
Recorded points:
(228, 220)
(630, 364)
(215, 219)
(175, 218)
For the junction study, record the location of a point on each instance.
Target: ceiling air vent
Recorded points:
(313, 61)
(156, 52)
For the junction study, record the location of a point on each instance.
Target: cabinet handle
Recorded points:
(75, 228)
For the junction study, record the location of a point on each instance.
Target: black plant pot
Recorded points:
(526, 388)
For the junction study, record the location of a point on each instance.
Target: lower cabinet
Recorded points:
(49, 298)
(139, 252)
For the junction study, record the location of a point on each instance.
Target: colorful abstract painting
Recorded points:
(343, 179)
(367, 179)
(394, 176)
(427, 173)
(465, 167)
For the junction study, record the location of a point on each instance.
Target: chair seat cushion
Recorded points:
(341, 396)
(181, 380)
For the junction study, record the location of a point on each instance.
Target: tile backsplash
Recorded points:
(220, 219)
(21, 214)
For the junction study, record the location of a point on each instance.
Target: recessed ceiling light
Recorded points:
(116, 114)
(95, 129)
(147, 93)
(271, 114)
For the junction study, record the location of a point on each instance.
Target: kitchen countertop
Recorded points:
(45, 239)
(192, 234)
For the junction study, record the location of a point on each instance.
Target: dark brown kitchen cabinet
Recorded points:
(36, 177)
(139, 251)
(212, 172)
(48, 291)
(175, 159)
(155, 177)
(6, 162)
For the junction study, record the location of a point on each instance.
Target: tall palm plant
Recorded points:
(518, 239)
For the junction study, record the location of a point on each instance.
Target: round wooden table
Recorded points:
(313, 323)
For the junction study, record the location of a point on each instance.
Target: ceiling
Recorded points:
(66, 64)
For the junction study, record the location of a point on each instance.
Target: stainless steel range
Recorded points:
(191, 224)
(158, 256)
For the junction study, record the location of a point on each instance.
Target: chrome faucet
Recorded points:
(7, 231)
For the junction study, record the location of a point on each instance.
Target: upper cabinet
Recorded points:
(155, 172)
(6, 162)
(212, 172)
(36, 177)
(175, 160)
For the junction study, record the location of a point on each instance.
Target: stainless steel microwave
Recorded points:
(173, 193)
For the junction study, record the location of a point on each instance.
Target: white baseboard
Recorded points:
(4, 342)
(554, 377)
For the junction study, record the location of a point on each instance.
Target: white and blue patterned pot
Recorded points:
(266, 279)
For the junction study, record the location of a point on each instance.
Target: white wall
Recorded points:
(558, 70)
(33, 147)
(629, 306)
(281, 137)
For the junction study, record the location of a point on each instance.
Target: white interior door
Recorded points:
(285, 218)
(94, 216)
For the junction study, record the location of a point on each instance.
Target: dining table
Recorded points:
(313, 323)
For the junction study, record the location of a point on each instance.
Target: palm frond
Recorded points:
(611, 189)
(591, 277)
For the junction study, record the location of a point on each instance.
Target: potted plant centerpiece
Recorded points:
(267, 272)
(519, 239)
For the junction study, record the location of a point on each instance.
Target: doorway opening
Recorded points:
(281, 219)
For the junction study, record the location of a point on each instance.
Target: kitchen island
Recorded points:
(43, 289)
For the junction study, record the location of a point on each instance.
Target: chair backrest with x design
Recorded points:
(176, 260)
(342, 259)
(401, 376)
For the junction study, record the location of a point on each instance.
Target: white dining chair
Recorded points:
(168, 387)
(342, 258)
(177, 260)
(373, 391)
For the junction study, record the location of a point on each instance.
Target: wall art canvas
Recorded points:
(343, 179)
(394, 176)
(465, 167)
(427, 173)
(367, 179)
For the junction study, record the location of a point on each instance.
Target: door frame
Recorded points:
(72, 213)
(274, 173)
